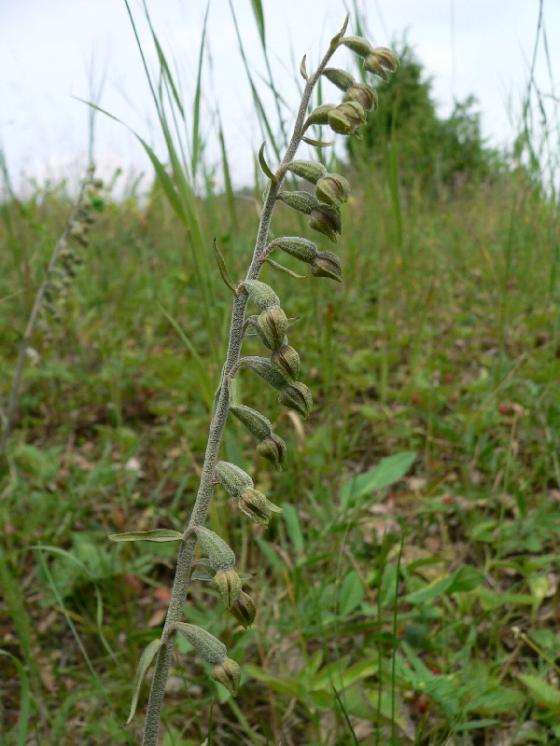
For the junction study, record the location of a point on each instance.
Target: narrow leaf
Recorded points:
(157, 534)
(388, 471)
(317, 143)
(259, 18)
(143, 664)
(220, 261)
(303, 68)
(264, 165)
(281, 268)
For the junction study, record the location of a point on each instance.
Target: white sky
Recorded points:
(49, 49)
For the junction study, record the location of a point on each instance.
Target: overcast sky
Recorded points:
(49, 50)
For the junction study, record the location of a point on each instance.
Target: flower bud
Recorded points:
(300, 201)
(308, 170)
(320, 115)
(340, 78)
(232, 477)
(261, 294)
(381, 61)
(219, 554)
(244, 609)
(257, 506)
(363, 94)
(358, 45)
(273, 449)
(327, 264)
(228, 583)
(353, 111)
(332, 189)
(206, 645)
(255, 422)
(340, 123)
(326, 220)
(286, 360)
(264, 368)
(301, 248)
(227, 673)
(297, 396)
(272, 325)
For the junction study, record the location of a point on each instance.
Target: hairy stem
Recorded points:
(217, 424)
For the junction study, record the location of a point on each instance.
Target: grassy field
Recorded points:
(409, 593)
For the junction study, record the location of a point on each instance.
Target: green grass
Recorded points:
(447, 348)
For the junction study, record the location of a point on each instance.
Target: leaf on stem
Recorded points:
(143, 664)
(264, 165)
(156, 534)
(223, 268)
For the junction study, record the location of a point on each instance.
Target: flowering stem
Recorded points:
(217, 424)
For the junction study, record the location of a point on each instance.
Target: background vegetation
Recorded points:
(409, 593)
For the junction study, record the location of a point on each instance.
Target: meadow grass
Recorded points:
(410, 591)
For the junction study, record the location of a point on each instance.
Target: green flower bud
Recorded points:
(332, 189)
(261, 294)
(353, 111)
(273, 449)
(358, 45)
(272, 325)
(206, 645)
(340, 78)
(326, 220)
(300, 201)
(340, 123)
(381, 61)
(297, 396)
(307, 170)
(286, 360)
(232, 478)
(257, 506)
(255, 422)
(244, 609)
(364, 95)
(264, 368)
(301, 248)
(228, 583)
(219, 554)
(327, 264)
(320, 115)
(228, 673)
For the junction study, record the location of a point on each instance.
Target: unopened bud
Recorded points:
(326, 220)
(220, 555)
(327, 264)
(286, 359)
(358, 45)
(308, 170)
(297, 396)
(244, 609)
(333, 189)
(228, 673)
(364, 95)
(228, 583)
(261, 294)
(206, 645)
(301, 248)
(320, 115)
(340, 78)
(381, 61)
(300, 201)
(272, 325)
(273, 449)
(255, 422)
(232, 477)
(353, 111)
(257, 506)
(339, 123)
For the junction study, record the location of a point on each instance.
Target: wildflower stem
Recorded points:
(219, 417)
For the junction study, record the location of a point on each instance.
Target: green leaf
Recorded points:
(351, 593)
(541, 691)
(157, 534)
(143, 664)
(24, 701)
(466, 578)
(264, 165)
(293, 527)
(259, 18)
(387, 472)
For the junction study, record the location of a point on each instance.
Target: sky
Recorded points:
(54, 53)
